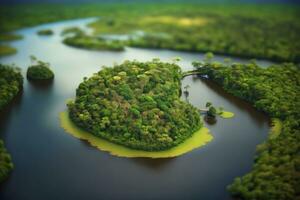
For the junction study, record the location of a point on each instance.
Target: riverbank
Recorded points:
(198, 139)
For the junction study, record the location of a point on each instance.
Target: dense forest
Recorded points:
(137, 105)
(275, 90)
(11, 82)
(253, 31)
(6, 164)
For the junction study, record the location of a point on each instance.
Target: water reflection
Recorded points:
(154, 164)
(7, 111)
(45, 85)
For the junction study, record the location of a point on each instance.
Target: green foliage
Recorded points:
(262, 31)
(72, 30)
(10, 37)
(275, 90)
(11, 82)
(7, 50)
(212, 112)
(256, 31)
(137, 105)
(6, 164)
(45, 32)
(94, 43)
(39, 70)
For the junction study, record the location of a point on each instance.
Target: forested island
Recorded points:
(11, 82)
(136, 105)
(93, 43)
(274, 90)
(39, 70)
(45, 32)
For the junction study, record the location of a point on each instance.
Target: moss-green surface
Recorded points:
(10, 37)
(276, 128)
(199, 138)
(7, 50)
(226, 114)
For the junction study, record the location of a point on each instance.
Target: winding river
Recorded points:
(51, 164)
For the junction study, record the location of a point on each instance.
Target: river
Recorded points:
(51, 164)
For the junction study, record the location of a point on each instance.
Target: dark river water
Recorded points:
(53, 165)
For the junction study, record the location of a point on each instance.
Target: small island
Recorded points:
(45, 32)
(39, 70)
(137, 107)
(80, 39)
(72, 30)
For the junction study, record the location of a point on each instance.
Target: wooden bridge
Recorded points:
(192, 72)
(203, 110)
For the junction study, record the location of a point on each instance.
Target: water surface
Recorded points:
(51, 164)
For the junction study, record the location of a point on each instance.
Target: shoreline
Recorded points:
(197, 140)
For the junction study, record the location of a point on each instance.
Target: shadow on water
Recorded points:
(154, 164)
(41, 84)
(259, 117)
(6, 112)
(210, 120)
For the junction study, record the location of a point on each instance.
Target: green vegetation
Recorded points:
(6, 164)
(10, 37)
(212, 111)
(45, 32)
(256, 31)
(137, 105)
(7, 50)
(244, 31)
(226, 114)
(72, 30)
(39, 70)
(276, 128)
(11, 82)
(275, 90)
(93, 43)
(198, 139)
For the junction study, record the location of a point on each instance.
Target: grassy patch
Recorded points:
(181, 21)
(276, 128)
(10, 37)
(7, 50)
(226, 114)
(198, 139)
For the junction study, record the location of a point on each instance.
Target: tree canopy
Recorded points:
(39, 70)
(275, 90)
(137, 105)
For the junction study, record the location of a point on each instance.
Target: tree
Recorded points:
(212, 112)
(208, 104)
